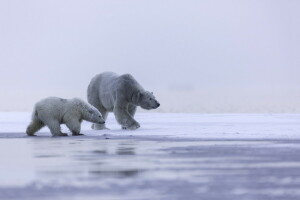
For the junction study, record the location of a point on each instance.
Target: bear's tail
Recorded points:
(34, 114)
(35, 124)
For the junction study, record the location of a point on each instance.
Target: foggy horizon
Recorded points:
(196, 56)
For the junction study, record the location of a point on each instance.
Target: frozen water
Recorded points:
(178, 125)
(172, 156)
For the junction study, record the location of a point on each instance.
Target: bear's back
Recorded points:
(51, 101)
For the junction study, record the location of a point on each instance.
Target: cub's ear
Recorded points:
(136, 98)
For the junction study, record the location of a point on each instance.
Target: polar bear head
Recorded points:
(146, 100)
(93, 115)
(89, 112)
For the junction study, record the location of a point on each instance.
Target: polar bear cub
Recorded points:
(120, 94)
(54, 111)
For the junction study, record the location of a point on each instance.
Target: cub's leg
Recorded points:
(54, 127)
(74, 126)
(34, 126)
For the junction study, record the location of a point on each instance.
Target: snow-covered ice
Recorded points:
(172, 156)
(178, 125)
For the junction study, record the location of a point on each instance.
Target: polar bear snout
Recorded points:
(148, 101)
(93, 115)
(100, 120)
(157, 104)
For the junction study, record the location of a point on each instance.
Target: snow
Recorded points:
(172, 156)
(179, 125)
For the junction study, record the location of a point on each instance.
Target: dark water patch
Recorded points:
(116, 173)
(48, 156)
(99, 151)
(126, 151)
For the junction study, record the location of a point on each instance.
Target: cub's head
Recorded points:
(93, 115)
(146, 100)
(88, 112)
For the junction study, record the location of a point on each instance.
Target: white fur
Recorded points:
(109, 92)
(54, 111)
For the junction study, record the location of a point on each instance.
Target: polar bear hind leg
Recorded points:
(104, 114)
(93, 99)
(34, 126)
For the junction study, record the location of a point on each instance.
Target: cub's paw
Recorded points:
(77, 134)
(60, 134)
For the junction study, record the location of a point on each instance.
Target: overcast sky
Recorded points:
(196, 56)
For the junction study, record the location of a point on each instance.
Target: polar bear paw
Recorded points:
(99, 127)
(77, 134)
(61, 134)
(132, 127)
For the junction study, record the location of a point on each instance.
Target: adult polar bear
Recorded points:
(109, 92)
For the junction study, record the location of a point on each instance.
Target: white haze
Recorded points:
(196, 56)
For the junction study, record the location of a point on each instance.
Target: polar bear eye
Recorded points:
(150, 99)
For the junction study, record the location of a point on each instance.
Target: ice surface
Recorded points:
(178, 125)
(172, 156)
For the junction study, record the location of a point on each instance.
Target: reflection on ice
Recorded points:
(17, 163)
(115, 173)
(167, 169)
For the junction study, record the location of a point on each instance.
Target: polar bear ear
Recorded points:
(136, 98)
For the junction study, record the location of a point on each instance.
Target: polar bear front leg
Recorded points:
(74, 126)
(131, 110)
(125, 119)
(54, 127)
